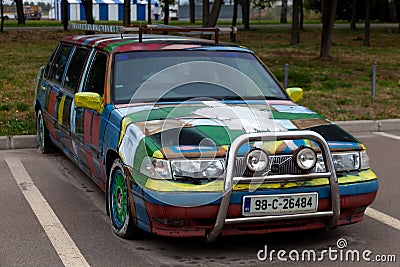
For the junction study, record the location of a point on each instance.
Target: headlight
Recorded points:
(305, 158)
(199, 169)
(350, 161)
(155, 168)
(257, 160)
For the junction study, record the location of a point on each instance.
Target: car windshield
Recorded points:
(191, 74)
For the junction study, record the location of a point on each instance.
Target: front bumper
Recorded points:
(199, 221)
(219, 212)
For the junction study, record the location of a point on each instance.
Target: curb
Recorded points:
(18, 142)
(362, 126)
(370, 126)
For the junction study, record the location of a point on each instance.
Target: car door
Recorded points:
(72, 80)
(53, 88)
(88, 124)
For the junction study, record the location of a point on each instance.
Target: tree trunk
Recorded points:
(210, 18)
(127, 13)
(301, 15)
(64, 14)
(2, 16)
(246, 14)
(353, 15)
(88, 6)
(192, 10)
(234, 19)
(148, 11)
(367, 31)
(166, 12)
(328, 14)
(284, 12)
(216, 8)
(206, 12)
(295, 36)
(20, 12)
(392, 11)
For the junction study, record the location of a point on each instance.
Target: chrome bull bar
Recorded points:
(229, 180)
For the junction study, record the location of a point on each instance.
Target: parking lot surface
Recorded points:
(51, 214)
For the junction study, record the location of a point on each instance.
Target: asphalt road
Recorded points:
(75, 224)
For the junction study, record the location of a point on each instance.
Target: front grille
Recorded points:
(280, 164)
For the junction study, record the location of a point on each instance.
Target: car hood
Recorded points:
(207, 128)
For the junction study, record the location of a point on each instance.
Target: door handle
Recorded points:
(60, 95)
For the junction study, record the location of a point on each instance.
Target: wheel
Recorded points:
(118, 203)
(45, 144)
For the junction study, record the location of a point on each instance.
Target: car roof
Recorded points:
(113, 43)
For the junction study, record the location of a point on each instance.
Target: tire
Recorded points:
(45, 144)
(118, 203)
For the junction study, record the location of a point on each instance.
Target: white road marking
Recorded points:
(62, 242)
(383, 218)
(388, 135)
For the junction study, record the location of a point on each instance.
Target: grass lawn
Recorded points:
(339, 89)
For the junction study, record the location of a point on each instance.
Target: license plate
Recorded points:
(282, 204)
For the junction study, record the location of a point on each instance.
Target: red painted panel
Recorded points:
(52, 104)
(91, 164)
(95, 130)
(87, 125)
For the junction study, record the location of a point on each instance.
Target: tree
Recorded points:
(88, 6)
(234, 19)
(192, 10)
(166, 12)
(301, 15)
(284, 11)
(64, 14)
(353, 15)
(210, 18)
(367, 31)
(295, 35)
(148, 11)
(127, 13)
(2, 16)
(20, 12)
(328, 18)
(246, 14)
(392, 11)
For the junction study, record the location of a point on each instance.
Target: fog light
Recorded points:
(170, 222)
(305, 158)
(257, 160)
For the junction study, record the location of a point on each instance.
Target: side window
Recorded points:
(75, 68)
(59, 64)
(97, 75)
(50, 63)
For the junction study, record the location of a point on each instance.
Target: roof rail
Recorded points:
(153, 28)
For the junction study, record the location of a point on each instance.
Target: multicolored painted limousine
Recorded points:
(192, 138)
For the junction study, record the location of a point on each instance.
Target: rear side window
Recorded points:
(50, 64)
(75, 69)
(59, 63)
(97, 75)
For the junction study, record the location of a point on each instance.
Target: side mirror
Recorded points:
(295, 94)
(89, 100)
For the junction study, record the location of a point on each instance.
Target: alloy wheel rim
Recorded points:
(119, 199)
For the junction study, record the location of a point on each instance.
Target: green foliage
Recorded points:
(263, 4)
